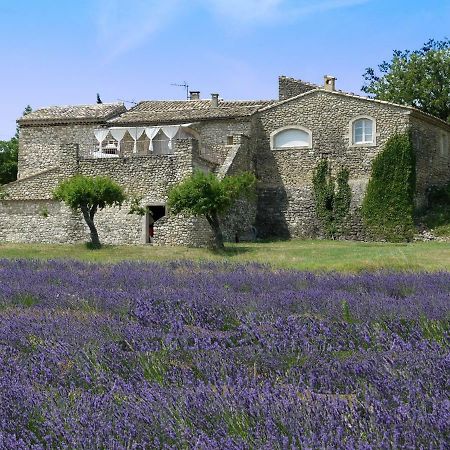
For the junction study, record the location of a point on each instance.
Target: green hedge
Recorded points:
(388, 205)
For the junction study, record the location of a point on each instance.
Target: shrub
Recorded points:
(388, 206)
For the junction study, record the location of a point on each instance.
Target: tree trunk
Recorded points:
(89, 218)
(214, 222)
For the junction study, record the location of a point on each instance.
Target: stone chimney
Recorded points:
(329, 83)
(214, 100)
(194, 95)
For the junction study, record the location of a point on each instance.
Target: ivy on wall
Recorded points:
(332, 198)
(388, 205)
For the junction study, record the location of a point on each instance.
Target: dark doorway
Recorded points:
(154, 213)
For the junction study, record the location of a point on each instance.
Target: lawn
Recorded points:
(210, 356)
(313, 255)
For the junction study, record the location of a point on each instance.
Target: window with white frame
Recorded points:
(363, 131)
(291, 137)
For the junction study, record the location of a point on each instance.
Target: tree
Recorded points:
(205, 195)
(419, 78)
(9, 151)
(28, 109)
(9, 154)
(88, 195)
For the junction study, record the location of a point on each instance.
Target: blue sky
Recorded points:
(58, 52)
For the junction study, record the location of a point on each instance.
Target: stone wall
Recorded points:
(29, 215)
(239, 222)
(214, 135)
(39, 146)
(289, 87)
(44, 221)
(431, 141)
(286, 203)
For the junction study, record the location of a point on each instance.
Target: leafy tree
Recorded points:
(88, 195)
(9, 151)
(205, 195)
(388, 205)
(419, 78)
(28, 109)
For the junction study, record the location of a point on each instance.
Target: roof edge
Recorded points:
(120, 109)
(411, 109)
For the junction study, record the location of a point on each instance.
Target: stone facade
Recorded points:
(226, 138)
(286, 174)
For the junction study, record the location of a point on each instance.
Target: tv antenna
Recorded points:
(127, 101)
(185, 85)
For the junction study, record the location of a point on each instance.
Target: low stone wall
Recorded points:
(182, 230)
(39, 186)
(44, 221)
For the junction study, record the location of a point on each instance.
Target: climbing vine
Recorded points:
(332, 198)
(388, 205)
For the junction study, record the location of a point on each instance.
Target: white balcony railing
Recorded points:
(111, 148)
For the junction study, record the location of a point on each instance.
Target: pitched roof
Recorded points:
(176, 111)
(417, 112)
(72, 114)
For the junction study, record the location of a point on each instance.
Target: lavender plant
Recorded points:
(213, 356)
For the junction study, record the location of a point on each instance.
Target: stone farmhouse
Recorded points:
(155, 144)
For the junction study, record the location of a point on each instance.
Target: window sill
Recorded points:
(277, 149)
(364, 144)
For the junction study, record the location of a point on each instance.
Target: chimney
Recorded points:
(214, 100)
(194, 95)
(330, 83)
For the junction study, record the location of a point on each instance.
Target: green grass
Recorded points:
(315, 255)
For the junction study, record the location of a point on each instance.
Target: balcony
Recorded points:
(111, 149)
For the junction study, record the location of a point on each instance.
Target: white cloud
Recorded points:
(246, 10)
(257, 11)
(124, 25)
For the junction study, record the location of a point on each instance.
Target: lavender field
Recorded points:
(211, 356)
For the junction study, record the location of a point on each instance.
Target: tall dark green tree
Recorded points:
(419, 78)
(9, 153)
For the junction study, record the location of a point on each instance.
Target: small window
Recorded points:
(291, 137)
(363, 131)
(230, 140)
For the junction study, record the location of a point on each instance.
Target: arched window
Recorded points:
(363, 130)
(291, 137)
